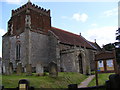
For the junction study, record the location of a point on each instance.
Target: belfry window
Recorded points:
(18, 51)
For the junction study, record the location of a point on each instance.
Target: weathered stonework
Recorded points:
(40, 44)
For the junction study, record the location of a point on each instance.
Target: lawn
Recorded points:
(62, 81)
(101, 79)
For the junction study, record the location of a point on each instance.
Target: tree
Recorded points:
(118, 38)
(109, 47)
(117, 44)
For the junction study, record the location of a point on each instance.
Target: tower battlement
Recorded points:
(31, 6)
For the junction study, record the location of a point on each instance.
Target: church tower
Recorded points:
(26, 41)
(29, 15)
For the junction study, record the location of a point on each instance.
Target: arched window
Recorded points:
(18, 51)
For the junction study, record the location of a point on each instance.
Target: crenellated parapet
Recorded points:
(31, 6)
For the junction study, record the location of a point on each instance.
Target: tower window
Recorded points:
(18, 51)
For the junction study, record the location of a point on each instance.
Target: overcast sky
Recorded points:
(94, 20)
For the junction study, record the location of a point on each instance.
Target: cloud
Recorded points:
(103, 35)
(65, 17)
(2, 32)
(76, 16)
(0, 53)
(14, 1)
(112, 12)
(80, 17)
(94, 25)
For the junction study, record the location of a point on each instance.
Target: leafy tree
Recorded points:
(118, 46)
(118, 38)
(109, 47)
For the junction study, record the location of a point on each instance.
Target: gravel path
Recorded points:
(86, 81)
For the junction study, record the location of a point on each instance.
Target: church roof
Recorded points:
(71, 38)
(96, 46)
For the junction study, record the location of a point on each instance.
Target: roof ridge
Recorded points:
(83, 41)
(65, 31)
(89, 42)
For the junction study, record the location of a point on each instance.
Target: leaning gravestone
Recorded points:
(53, 70)
(29, 69)
(19, 69)
(39, 69)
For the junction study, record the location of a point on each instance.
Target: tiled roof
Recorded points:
(70, 38)
(96, 46)
(105, 55)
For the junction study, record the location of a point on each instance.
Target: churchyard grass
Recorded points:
(62, 81)
(101, 79)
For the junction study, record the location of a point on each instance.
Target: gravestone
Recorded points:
(11, 68)
(53, 70)
(0, 67)
(19, 69)
(39, 69)
(28, 69)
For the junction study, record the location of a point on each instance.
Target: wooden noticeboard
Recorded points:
(105, 62)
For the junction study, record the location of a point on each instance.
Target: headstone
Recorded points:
(39, 69)
(53, 70)
(29, 69)
(3, 68)
(11, 68)
(0, 67)
(19, 69)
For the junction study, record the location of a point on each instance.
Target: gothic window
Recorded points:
(18, 51)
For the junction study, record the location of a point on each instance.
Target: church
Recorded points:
(32, 40)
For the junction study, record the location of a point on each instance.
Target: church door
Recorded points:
(80, 64)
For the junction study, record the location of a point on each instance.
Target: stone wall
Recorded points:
(6, 48)
(53, 42)
(6, 53)
(11, 51)
(44, 49)
(39, 49)
(14, 40)
(70, 60)
(92, 59)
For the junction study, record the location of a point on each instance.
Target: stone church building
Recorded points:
(31, 39)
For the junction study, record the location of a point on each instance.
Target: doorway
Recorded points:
(80, 64)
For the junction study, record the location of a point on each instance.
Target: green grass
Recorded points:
(62, 81)
(101, 79)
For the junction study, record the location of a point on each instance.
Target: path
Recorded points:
(86, 81)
